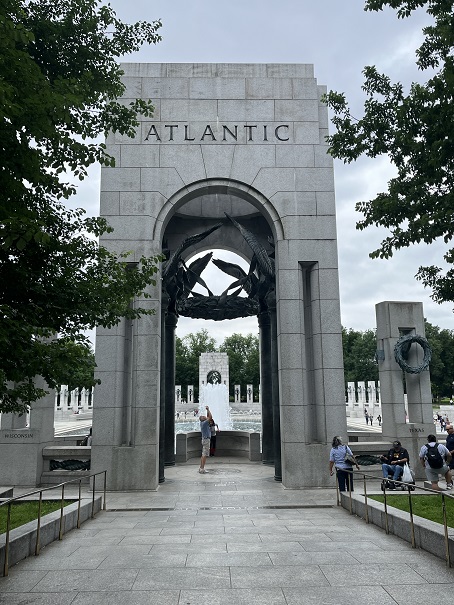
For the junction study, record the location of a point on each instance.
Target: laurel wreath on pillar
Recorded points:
(402, 349)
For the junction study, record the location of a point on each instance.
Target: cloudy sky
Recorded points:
(339, 38)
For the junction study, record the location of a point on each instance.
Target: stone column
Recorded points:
(361, 390)
(351, 399)
(250, 394)
(178, 394)
(395, 319)
(162, 390)
(21, 447)
(190, 392)
(371, 393)
(237, 393)
(13, 421)
(266, 389)
(275, 390)
(171, 321)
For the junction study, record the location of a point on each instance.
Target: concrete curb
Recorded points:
(22, 540)
(429, 535)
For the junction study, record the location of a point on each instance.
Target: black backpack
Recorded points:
(434, 458)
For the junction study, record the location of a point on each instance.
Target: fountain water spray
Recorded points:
(216, 397)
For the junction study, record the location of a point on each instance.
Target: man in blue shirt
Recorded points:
(450, 443)
(206, 438)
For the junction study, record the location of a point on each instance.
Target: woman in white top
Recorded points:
(343, 468)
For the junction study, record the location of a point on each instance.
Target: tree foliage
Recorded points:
(74, 365)
(243, 353)
(244, 360)
(442, 364)
(188, 351)
(359, 358)
(59, 86)
(359, 350)
(415, 130)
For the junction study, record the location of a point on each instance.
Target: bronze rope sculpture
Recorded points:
(179, 281)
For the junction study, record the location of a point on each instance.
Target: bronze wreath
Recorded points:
(402, 349)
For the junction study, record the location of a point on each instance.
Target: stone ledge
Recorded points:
(243, 444)
(67, 451)
(429, 535)
(23, 539)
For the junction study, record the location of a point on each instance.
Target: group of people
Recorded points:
(436, 459)
(370, 417)
(442, 419)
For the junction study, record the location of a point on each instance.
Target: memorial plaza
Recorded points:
(233, 536)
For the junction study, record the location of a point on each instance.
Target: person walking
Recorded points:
(450, 444)
(435, 458)
(205, 429)
(379, 420)
(344, 469)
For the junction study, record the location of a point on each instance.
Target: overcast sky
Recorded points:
(339, 38)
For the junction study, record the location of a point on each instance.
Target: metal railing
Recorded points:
(410, 488)
(40, 491)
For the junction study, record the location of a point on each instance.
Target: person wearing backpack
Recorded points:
(435, 458)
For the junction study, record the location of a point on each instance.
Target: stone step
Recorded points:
(59, 476)
(6, 492)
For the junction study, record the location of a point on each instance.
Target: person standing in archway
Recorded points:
(205, 429)
(214, 430)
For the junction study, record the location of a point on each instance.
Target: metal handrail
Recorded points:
(40, 491)
(410, 487)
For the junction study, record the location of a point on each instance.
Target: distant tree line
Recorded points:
(243, 352)
(359, 348)
(359, 358)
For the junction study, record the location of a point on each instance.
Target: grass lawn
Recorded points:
(23, 512)
(428, 507)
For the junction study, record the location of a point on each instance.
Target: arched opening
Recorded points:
(219, 216)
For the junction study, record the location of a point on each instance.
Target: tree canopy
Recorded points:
(359, 350)
(415, 130)
(60, 81)
(188, 350)
(243, 352)
(359, 358)
(244, 360)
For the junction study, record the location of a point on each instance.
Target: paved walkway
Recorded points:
(230, 537)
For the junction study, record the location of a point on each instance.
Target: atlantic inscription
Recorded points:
(220, 133)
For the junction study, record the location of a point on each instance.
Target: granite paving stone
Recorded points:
(249, 554)
(156, 597)
(370, 575)
(246, 577)
(152, 559)
(91, 580)
(182, 577)
(420, 595)
(330, 595)
(190, 548)
(24, 598)
(229, 560)
(268, 547)
(237, 596)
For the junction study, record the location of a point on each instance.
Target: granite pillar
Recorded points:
(266, 389)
